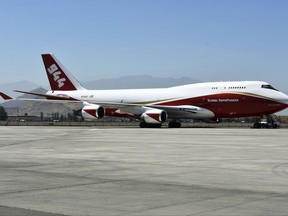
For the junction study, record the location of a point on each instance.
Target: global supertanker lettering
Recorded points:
(53, 70)
(212, 100)
(229, 100)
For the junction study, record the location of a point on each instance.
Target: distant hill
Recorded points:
(141, 81)
(20, 107)
(8, 88)
(37, 90)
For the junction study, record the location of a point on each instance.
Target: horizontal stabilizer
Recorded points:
(5, 97)
(49, 97)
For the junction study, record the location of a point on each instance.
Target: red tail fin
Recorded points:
(59, 77)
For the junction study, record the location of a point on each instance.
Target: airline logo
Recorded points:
(53, 70)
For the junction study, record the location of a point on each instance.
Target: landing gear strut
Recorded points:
(269, 122)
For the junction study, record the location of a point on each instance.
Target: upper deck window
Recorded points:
(269, 87)
(237, 87)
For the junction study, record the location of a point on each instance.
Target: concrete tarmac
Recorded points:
(52, 171)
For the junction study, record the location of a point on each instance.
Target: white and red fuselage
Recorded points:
(206, 101)
(213, 99)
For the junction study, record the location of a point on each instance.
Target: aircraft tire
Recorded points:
(174, 124)
(256, 125)
(143, 125)
(147, 125)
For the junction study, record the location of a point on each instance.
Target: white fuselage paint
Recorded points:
(152, 96)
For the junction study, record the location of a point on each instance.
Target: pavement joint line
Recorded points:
(19, 143)
(51, 138)
(236, 205)
(183, 203)
(136, 180)
(31, 210)
(56, 188)
(139, 180)
(54, 174)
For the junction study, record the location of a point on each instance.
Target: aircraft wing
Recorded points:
(138, 109)
(182, 108)
(124, 108)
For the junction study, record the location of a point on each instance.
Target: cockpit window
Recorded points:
(269, 87)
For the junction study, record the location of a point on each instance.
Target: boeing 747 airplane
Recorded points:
(210, 101)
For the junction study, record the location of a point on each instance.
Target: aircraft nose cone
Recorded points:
(284, 100)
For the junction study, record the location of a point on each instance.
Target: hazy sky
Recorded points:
(209, 40)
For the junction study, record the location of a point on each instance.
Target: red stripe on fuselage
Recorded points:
(232, 104)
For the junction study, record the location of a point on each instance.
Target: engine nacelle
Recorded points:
(92, 112)
(154, 116)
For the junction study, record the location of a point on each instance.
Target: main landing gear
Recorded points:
(147, 125)
(269, 122)
(174, 124)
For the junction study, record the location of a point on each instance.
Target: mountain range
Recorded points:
(141, 81)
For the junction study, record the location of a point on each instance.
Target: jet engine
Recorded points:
(154, 116)
(92, 112)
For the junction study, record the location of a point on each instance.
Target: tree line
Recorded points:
(3, 114)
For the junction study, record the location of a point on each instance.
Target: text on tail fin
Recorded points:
(59, 77)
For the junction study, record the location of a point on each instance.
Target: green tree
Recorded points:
(3, 114)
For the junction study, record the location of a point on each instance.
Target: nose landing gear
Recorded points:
(269, 122)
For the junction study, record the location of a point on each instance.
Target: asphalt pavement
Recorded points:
(52, 171)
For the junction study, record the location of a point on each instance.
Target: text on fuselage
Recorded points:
(223, 100)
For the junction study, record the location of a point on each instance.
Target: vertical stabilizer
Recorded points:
(59, 77)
